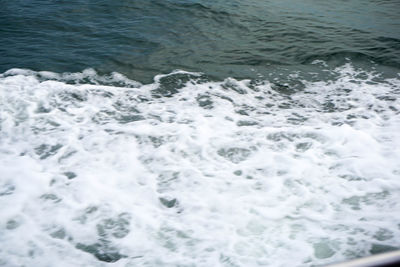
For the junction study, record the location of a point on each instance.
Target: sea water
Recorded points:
(250, 134)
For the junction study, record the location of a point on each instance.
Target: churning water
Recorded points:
(277, 143)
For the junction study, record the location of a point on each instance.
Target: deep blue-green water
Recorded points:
(198, 133)
(221, 38)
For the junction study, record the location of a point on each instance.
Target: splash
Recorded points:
(193, 172)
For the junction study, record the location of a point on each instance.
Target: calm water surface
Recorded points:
(221, 38)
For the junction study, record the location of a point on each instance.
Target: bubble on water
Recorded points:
(191, 171)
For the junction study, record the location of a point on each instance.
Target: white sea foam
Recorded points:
(99, 169)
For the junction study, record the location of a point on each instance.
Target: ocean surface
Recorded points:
(198, 133)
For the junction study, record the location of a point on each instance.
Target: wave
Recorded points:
(188, 170)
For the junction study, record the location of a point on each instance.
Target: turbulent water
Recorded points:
(198, 133)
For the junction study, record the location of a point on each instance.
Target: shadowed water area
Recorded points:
(241, 39)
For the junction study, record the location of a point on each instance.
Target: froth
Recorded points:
(188, 171)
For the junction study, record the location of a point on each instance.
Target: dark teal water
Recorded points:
(242, 39)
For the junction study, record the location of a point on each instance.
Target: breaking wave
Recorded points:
(99, 169)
